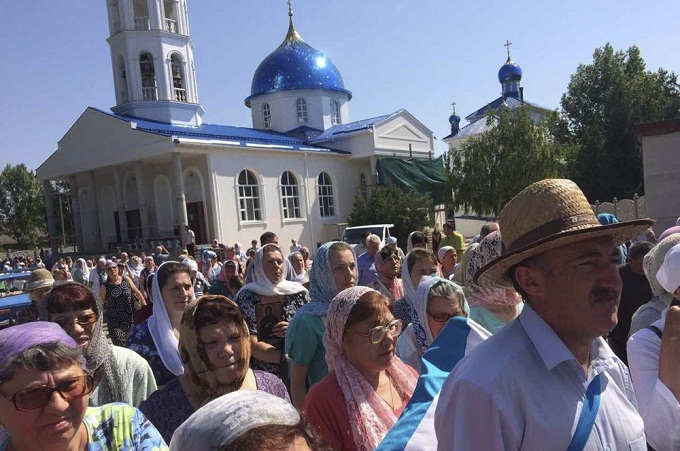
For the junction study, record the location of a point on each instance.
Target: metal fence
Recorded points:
(624, 209)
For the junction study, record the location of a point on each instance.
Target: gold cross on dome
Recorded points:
(506, 45)
(290, 8)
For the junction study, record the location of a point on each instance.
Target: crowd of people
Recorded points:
(521, 338)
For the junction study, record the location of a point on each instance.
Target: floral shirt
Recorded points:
(118, 427)
(141, 341)
(247, 300)
(403, 311)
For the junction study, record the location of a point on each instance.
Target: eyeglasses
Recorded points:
(39, 397)
(83, 320)
(377, 334)
(443, 317)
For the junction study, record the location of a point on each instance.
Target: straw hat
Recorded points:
(547, 215)
(39, 278)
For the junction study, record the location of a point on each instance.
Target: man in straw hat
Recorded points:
(548, 380)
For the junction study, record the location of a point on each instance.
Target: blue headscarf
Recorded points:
(607, 218)
(322, 287)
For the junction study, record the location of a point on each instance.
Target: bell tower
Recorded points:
(153, 61)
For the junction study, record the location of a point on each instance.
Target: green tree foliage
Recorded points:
(489, 170)
(22, 205)
(390, 205)
(603, 101)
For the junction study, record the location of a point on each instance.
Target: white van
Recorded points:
(352, 235)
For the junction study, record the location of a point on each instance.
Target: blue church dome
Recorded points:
(510, 71)
(454, 118)
(295, 65)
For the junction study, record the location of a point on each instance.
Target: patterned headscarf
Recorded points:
(369, 416)
(409, 289)
(421, 327)
(386, 277)
(322, 287)
(99, 354)
(160, 329)
(261, 283)
(489, 248)
(201, 379)
(220, 422)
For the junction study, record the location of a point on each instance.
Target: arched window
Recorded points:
(179, 92)
(301, 108)
(290, 196)
(266, 115)
(249, 197)
(122, 81)
(149, 91)
(325, 191)
(335, 112)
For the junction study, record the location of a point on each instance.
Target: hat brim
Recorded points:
(494, 274)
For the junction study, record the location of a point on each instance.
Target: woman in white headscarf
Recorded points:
(157, 338)
(437, 301)
(268, 304)
(81, 273)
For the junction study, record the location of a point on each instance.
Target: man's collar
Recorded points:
(552, 349)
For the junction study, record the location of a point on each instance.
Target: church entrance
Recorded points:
(196, 217)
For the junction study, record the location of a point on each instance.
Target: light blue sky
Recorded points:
(419, 55)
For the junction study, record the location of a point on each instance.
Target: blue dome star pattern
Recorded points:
(295, 65)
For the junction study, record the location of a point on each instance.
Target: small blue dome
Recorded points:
(510, 71)
(295, 65)
(454, 119)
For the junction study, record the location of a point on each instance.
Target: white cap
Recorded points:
(669, 273)
(391, 240)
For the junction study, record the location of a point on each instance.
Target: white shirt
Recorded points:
(189, 237)
(522, 389)
(94, 280)
(658, 407)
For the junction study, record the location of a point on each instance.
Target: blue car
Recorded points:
(13, 296)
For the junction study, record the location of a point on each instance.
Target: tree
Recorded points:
(408, 211)
(22, 205)
(603, 101)
(490, 169)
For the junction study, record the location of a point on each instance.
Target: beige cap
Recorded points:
(39, 278)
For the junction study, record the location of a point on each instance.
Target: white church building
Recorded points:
(150, 166)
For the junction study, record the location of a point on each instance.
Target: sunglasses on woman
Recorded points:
(377, 334)
(38, 397)
(82, 320)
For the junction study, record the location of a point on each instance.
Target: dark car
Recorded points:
(13, 296)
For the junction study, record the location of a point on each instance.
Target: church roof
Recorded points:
(222, 134)
(351, 127)
(295, 65)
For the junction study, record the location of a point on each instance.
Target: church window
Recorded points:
(170, 17)
(266, 115)
(290, 196)
(325, 191)
(363, 187)
(146, 66)
(141, 11)
(335, 112)
(179, 92)
(301, 108)
(249, 197)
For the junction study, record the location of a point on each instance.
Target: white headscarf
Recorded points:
(226, 418)
(261, 283)
(160, 328)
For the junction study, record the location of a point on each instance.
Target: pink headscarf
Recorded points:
(390, 281)
(370, 416)
(489, 248)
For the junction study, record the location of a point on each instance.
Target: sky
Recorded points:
(418, 55)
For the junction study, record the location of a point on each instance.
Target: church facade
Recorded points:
(151, 166)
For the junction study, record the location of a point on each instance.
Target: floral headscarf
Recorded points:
(322, 287)
(261, 283)
(369, 416)
(202, 382)
(420, 325)
(489, 248)
(390, 281)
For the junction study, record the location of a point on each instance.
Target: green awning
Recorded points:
(424, 176)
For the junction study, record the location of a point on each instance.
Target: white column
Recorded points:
(120, 201)
(77, 222)
(143, 203)
(155, 19)
(127, 14)
(180, 197)
(51, 220)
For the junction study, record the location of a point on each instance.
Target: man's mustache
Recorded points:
(604, 294)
